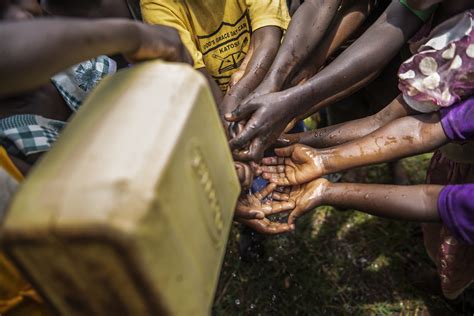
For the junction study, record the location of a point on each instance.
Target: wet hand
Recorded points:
(246, 173)
(158, 41)
(305, 198)
(252, 208)
(296, 164)
(267, 116)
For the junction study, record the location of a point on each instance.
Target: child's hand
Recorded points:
(158, 41)
(305, 198)
(254, 206)
(246, 172)
(265, 226)
(251, 210)
(294, 165)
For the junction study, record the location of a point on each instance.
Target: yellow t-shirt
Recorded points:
(216, 32)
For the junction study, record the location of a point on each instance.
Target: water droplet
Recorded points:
(234, 275)
(270, 259)
(237, 302)
(274, 298)
(252, 306)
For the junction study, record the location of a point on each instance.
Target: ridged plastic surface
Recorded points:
(130, 212)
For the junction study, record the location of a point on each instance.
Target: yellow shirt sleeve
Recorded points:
(172, 15)
(268, 13)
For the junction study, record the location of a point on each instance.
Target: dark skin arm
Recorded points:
(342, 133)
(268, 115)
(306, 30)
(411, 203)
(404, 137)
(264, 47)
(345, 24)
(44, 47)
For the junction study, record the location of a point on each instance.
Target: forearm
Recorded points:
(264, 47)
(57, 44)
(368, 55)
(404, 137)
(343, 27)
(307, 28)
(342, 133)
(413, 203)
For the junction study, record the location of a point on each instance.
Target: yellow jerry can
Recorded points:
(130, 212)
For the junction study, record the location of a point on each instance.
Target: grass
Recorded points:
(337, 263)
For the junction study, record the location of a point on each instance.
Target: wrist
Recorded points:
(275, 80)
(126, 35)
(320, 162)
(326, 191)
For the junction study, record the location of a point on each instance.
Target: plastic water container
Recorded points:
(130, 212)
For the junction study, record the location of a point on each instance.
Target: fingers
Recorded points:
(265, 191)
(273, 161)
(282, 189)
(277, 196)
(277, 178)
(249, 132)
(297, 213)
(241, 112)
(255, 168)
(242, 155)
(274, 169)
(265, 226)
(248, 214)
(278, 207)
(256, 149)
(285, 151)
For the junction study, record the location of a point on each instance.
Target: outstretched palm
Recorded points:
(304, 197)
(252, 208)
(293, 165)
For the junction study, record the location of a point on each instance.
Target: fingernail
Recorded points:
(292, 226)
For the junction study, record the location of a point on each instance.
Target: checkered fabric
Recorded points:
(27, 134)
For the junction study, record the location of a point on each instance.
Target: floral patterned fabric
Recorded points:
(77, 82)
(442, 72)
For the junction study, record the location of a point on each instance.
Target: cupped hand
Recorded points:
(267, 116)
(255, 206)
(252, 208)
(296, 164)
(265, 226)
(305, 198)
(158, 41)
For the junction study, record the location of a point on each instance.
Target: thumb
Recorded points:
(242, 112)
(293, 217)
(285, 151)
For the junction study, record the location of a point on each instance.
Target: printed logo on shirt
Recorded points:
(224, 50)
